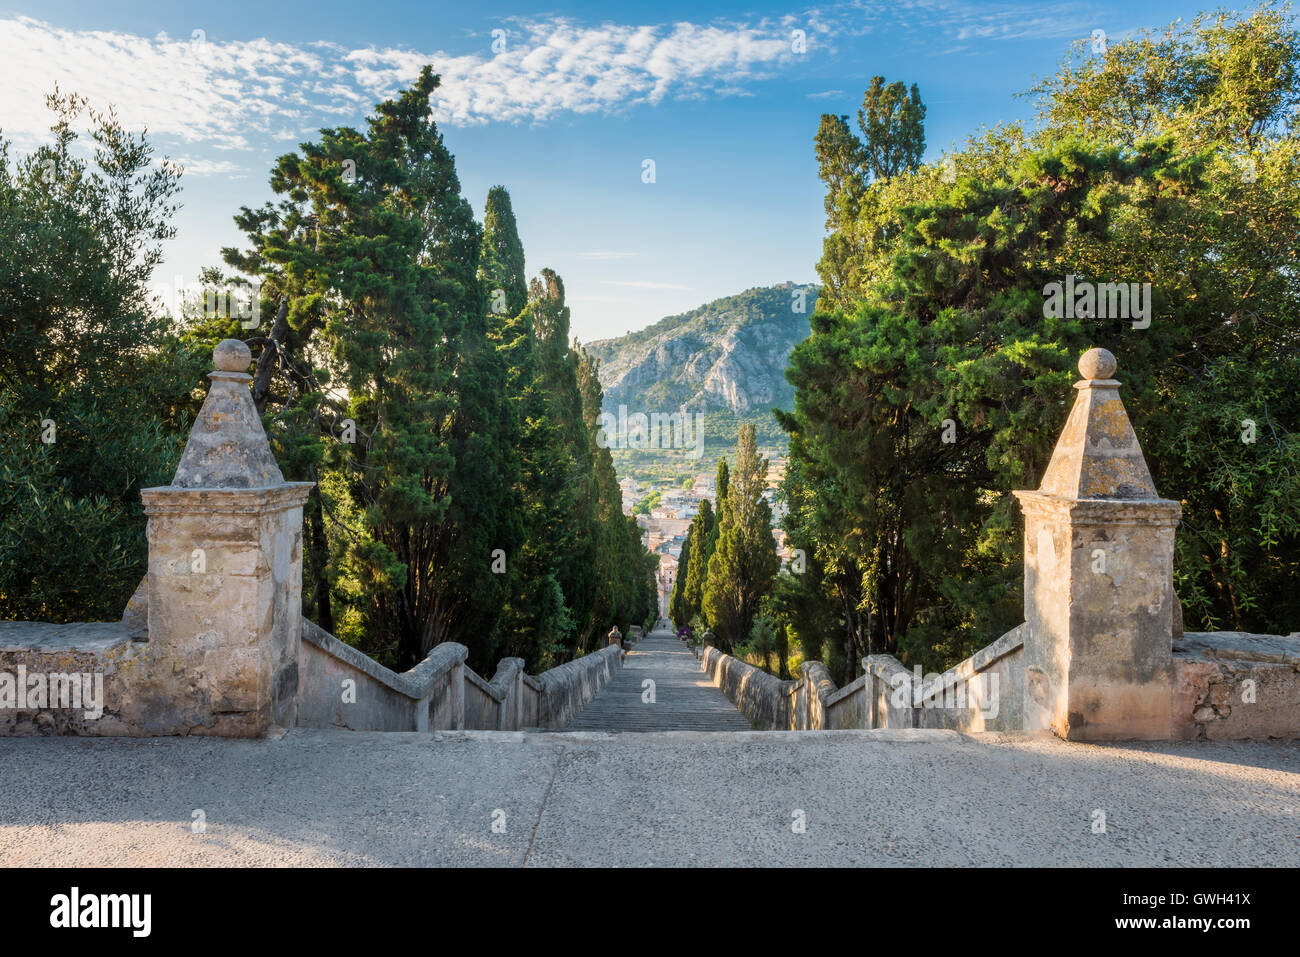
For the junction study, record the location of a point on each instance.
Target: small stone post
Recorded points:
(1099, 597)
(615, 637)
(225, 572)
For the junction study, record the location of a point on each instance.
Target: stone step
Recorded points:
(685, 699)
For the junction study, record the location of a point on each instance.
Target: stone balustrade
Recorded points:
(214, 642)
(1101, 654)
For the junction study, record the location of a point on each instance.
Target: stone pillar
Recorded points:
(1099, 597)
(225, 572)
(615, 637)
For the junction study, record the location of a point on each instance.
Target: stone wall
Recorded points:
(102, 657)
(214, 642)
(765, 700)
(982, 693)
(339, 687)
(1229, 685)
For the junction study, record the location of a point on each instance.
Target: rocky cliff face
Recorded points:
(729, 354)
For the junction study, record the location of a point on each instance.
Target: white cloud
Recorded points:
(205, 167)
(228, 93)
(209, 91)
(555, 66)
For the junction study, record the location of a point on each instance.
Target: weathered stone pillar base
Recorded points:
(1099, 604)
(225, 582)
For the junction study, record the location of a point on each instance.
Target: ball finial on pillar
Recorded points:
(231, 355)
(1097, 364)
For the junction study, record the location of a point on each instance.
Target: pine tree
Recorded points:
(371, 262)
(892, 120)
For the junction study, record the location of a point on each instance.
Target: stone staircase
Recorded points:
(684, 697)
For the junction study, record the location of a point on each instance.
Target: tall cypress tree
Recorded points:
(744, 561)
(501, 264)
(379, 270)
(622, 596)
(701, 534)
(677, 601)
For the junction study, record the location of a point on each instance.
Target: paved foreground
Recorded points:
(866, 797)
(684, 697)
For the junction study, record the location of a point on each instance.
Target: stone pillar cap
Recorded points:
(1098, 364)
(227, 447)
(232, 355)
(1098, 455)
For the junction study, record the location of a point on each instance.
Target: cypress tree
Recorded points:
(501, 263)
(744, 561)
(701, 533)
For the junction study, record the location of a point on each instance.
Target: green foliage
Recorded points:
(702, 535)
(892, 120)
(379, 319)
(501, 265)
(677, 609)
(95, 391)
(743, 561)
(647, 504)
(473, 505)
(934, 313)
(627, 591)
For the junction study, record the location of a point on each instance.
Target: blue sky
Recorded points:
(563, 112)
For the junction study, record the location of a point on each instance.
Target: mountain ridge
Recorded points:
(726, 356)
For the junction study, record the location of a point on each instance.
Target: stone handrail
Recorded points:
(213, 642)
(759, 696)
(981, 693)
(441, 692)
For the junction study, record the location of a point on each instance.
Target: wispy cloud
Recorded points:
(205, 167)
(232, 94)
(552, 66)
(228, 92)
(192, 89)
